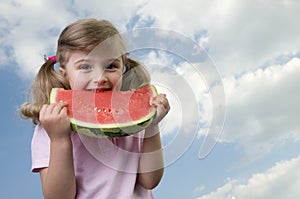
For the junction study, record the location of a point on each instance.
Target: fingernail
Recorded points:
(63, 102)
(151, 100)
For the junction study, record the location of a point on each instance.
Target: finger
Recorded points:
(43, 110)
(58, 107)
(47, 109)
(166, 104)
(160, 96)
(46, 112)
(64, 112)
(161, 100)
(155, 100)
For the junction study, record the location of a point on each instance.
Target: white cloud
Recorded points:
(263, 108)
(29, 29)
(197, 191)
(280, 181)
(118, 12)
(241, 35)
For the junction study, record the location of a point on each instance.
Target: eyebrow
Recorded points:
(88, 60)
(82, 60)
(112, 59)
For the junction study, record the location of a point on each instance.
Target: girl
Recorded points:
(92, 57)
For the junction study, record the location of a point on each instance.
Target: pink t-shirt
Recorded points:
(104, 167)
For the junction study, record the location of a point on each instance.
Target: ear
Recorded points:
(62, 71)
(64, 78)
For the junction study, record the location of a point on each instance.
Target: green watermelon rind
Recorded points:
(109, 130)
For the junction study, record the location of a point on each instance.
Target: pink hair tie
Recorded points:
(52, 58)
(126, 56)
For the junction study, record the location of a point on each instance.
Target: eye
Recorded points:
(85, 67)
(111, 67)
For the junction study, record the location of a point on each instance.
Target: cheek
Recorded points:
(117, 81)
(77, 82)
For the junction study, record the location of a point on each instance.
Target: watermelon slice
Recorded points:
(107, 113)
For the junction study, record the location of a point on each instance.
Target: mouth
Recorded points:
(97, 90)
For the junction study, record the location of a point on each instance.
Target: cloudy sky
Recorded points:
(231, 72)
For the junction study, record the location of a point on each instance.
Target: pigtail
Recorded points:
(135, 76)
(46, 79)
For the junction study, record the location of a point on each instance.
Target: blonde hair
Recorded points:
(83, 35)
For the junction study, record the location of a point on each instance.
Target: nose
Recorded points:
(100, 77)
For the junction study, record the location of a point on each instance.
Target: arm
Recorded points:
(58, 180)
(151, 166)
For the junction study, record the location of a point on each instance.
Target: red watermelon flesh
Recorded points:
(108, 113)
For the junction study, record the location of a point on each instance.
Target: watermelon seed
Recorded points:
(123, 110)
(87, 107)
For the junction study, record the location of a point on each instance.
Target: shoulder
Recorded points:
(39, 133)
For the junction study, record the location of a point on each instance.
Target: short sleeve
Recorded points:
(40, 149)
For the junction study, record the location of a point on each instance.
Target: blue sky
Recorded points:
(251, 47)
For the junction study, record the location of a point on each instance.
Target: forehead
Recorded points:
(107, 49)
(79, 56)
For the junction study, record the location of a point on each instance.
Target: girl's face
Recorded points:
(94, 73)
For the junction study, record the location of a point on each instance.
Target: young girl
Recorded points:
(92, 57)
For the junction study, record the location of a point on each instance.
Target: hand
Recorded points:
(162, 105)
(55, 121)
